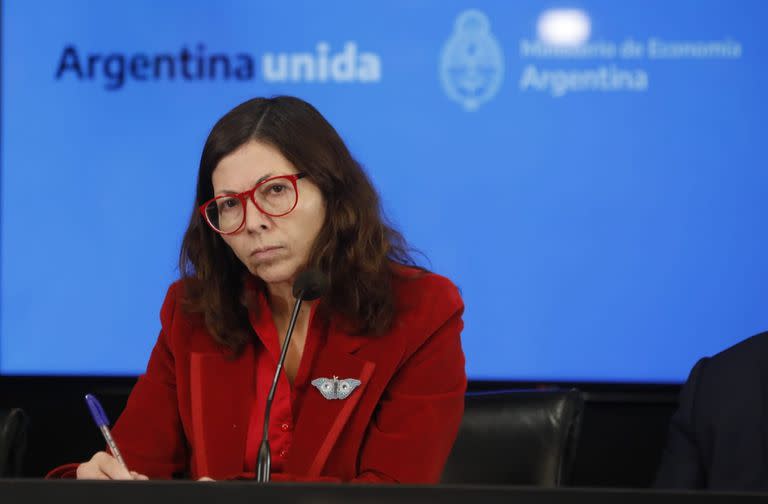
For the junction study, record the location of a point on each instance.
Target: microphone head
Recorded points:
(309, 285)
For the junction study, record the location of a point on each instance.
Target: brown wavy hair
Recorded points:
(356, 248)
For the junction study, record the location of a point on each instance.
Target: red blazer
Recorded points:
(189, 413)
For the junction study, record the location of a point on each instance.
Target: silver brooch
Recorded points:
(333, 388)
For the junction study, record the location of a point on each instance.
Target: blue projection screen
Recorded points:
(590, 174)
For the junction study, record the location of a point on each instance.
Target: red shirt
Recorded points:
(288, 398)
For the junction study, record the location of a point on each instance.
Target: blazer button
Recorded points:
(285, 427)
(283, 453)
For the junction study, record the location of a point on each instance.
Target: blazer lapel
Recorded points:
(222, 391)
(321, 420)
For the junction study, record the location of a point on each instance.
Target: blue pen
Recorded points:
(100, 417)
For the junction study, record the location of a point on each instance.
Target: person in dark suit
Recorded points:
(718, 438)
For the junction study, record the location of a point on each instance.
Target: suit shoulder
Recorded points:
(172, 301)
(178, 324)
(176, 290)
(747, 353)
(740, 367)
(429, 315)
(425, 303)
(423, 290)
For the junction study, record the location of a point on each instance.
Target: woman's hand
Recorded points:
(104, 466)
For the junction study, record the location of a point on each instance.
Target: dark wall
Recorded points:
(623, 435)
(61, 429)
(623, 429)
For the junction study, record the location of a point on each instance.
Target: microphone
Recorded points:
(309, 285)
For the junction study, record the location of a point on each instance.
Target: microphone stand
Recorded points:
(264, 459)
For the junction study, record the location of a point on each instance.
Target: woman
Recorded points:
(278, 192)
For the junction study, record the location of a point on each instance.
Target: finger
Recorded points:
(90, 471)
(111, 467)
(206, 478)
(138, 476)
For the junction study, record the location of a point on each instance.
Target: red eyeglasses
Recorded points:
(275, 196)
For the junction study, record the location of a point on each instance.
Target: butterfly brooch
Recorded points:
(333, 388)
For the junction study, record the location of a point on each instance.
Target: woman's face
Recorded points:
(274, 249)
